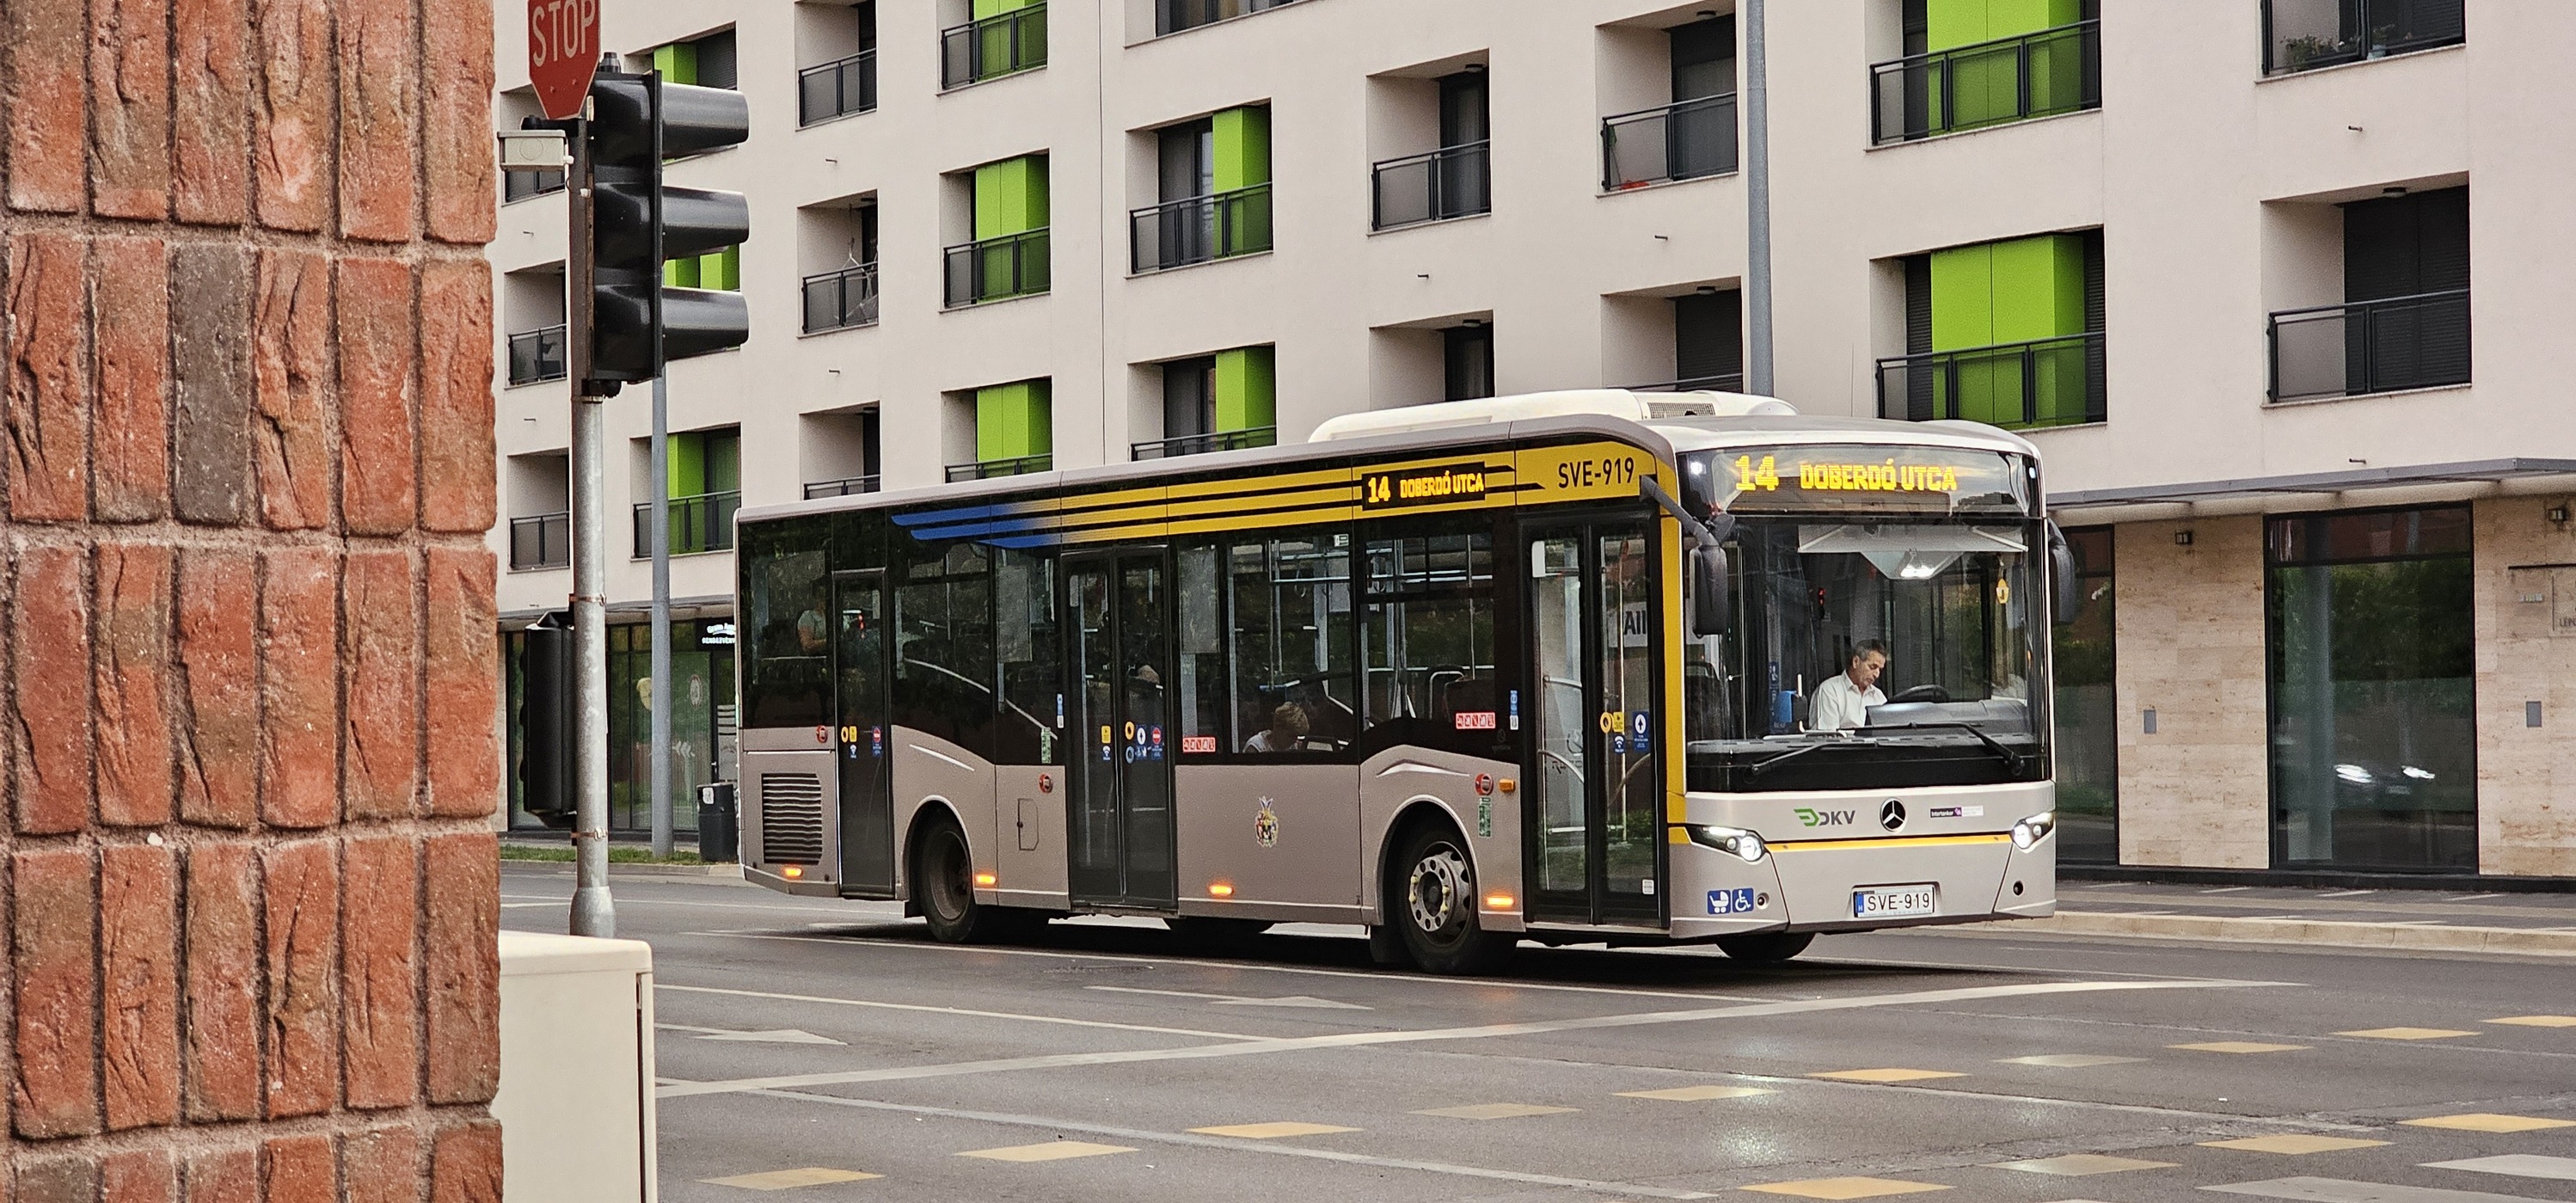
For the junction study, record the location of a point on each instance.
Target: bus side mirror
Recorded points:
(1712, 609)
(2066, 582)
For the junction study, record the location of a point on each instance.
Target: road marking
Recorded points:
(887, 1006)
(2293, 1144)
(2080, 1165)
(1694, 1094)
(1883, 1076)
(514, 906)
(2337, 1190)
(784, 1179)
(1273, 1130)
(2476, 897)
(1237, 1000)
(773, 1036)
(1053, 1150)
(1494, 1111)
(1846, 1188)
(2487, 1121)
(1230, 1144)
(2228, 890)
(2520, 1165)
(627, 899)
(2071, 1060)
(2408, 1033)
(2539, 1021)
(2347, 893)
(1248, 1045)
(2239, 1046)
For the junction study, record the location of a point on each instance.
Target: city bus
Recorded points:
(1536, 668)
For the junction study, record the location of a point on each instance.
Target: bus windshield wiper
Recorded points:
(1786, 757)
(2012, 759)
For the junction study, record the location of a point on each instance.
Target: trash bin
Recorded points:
(719, 828)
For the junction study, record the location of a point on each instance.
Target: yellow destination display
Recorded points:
(1422, 486)
(1850, 477)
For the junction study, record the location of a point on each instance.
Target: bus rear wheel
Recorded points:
(942, 875)
(1766, 948)
(1431, 902)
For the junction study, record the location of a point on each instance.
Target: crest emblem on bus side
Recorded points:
(1265, 826)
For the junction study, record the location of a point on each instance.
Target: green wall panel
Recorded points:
(715, 269)
(1242, 147)
(1010, 196)
(1246, 389)
(995, 8)
(1014, 420)
(2021, 291)
(1949, 24)
(678, 62)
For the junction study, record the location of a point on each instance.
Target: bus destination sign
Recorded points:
(1447, 484)
(1843, 477)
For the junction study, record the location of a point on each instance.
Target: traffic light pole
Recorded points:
(593, 913)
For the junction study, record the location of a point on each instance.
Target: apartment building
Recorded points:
(2272, 283)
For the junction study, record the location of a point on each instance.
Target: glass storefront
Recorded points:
(702, 720)
(2088, 741)
(2374, 740)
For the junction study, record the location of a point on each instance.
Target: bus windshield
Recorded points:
(1870, 653)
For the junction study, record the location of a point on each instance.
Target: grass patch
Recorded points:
(616, 855)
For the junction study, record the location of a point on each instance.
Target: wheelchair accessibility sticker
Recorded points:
(1730, 902)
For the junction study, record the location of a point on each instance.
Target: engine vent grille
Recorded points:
(791, 819)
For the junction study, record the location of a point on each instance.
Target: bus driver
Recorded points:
(1843, 701)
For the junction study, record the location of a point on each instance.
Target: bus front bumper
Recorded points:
(1816, 885)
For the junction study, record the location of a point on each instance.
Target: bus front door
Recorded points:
(1595, 822)
(1119, 819)
(864, 762)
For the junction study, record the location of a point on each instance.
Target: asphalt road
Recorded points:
(811, 1042)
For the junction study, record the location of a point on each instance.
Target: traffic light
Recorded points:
(547, 694)
(637, 222)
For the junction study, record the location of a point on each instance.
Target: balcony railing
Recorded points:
(703, 522)
(1452, 181)
(2303, 35)
(995, 46)
(520, 185)
(1173, 16)
(987, 469)
(1013, 265)
(1969, 87)
(848, 486)
(2380, 346)
(1680, 141)
(2044, 382)
(541, 541)
(1731, 382)
(837, 89)
(1197, 229)
(1200, 444)
(537, 356)
(842, 299)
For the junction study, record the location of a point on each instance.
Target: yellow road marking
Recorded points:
(1494, 1111)
(2239, 1046)
(1693, 1094)
(1054, 1150)
(2070, 1060)
(2408, 1033)
(2078, 1165)
(783, 1179)
(1886, 1075)
(2539, 1021)
(2487, 1121)
(1272, 1130)
(1846, 1188)
(2293, 1144)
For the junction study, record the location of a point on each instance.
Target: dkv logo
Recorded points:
(1826, 818)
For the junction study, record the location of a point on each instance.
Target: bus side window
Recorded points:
(1202, 653)
(1427, 639)
(943, 654)
(1026, 661)
(785, 636)
(1292, 644)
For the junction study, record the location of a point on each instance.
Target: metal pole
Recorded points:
(593, 914)
(661, 615)
(1757, 206)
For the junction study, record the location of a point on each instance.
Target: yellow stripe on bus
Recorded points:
(1918, 841)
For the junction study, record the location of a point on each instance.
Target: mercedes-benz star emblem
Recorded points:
(1892, 815)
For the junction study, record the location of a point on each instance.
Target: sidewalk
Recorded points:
(2428, 920)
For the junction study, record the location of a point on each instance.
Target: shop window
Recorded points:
(2088, 739)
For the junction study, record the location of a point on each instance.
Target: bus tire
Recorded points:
(1430, 901)
(942, 874)
(1766, 948)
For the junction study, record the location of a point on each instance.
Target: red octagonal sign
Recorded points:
(563, 51)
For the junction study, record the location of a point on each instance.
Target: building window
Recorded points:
(2404, 320)
(2087, 708)
(707, 62)
(845, 82)
(2372, 647)
(1220, 402)
(1014, 431)
(705, 486)
(1452, 181)
(1708, 341)
(1010, 256)
(1694, 135)
(1173, 16)
(1213, 181)
(1970, 64)
(2303, 35)
(2008, 333)
(1006, 36)
(1467, 361)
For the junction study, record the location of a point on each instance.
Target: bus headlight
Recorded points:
(2034, 829)
(1732, 840)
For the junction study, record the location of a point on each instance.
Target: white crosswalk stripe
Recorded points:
(2339, 1190)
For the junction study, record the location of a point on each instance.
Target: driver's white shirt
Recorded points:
(1839, 704)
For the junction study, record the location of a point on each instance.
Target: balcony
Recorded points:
(700, 523)
(1173, 16)
(1991, 83)
(842, 299)
(993, 47)
(1453, 181)
(537, 356)
(2364, 347)
(836, 89)
(1201, 444)
(1013, 265)
(988, 469)
(1684, 140)
(520, 185)
(847, 486)
(541, 541)
(2044, 382)
(1198, 229)
(2303, 35)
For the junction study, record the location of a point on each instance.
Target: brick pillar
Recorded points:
(248, 885)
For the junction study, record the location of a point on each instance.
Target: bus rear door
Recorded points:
(863, 763)
(1119, 825)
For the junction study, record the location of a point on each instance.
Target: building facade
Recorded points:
(2271, 284)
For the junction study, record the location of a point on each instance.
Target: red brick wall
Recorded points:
(246, 680)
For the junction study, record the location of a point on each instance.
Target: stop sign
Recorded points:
(563, 50)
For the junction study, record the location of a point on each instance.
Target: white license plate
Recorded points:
(1888, 902)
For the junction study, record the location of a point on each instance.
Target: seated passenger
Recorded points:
(1287, 731)
(1843, 701)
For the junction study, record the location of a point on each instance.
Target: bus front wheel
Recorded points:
(1431, 902)
(1766, 948)
(942, 882)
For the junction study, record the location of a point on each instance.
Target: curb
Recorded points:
(2401, 937)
